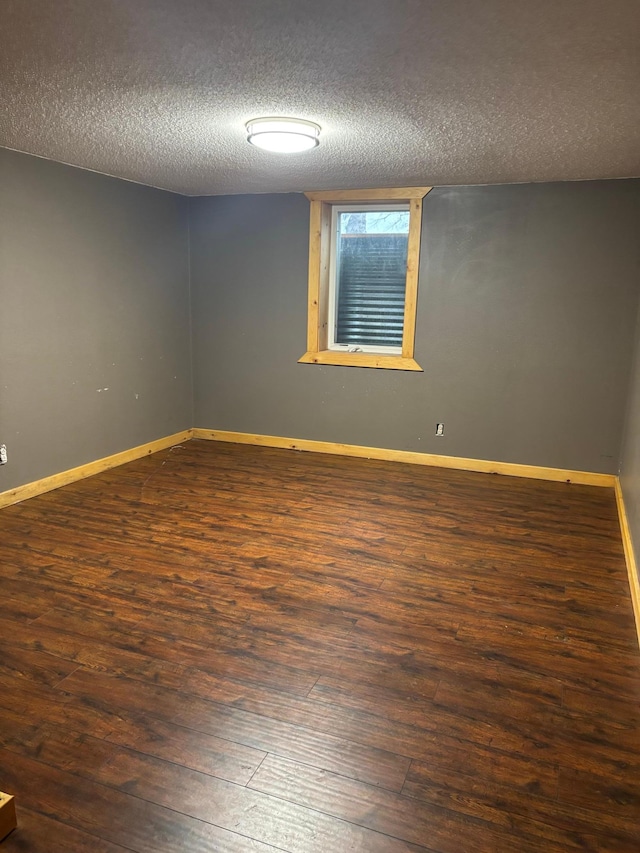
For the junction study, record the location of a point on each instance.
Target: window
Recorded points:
(363, 277)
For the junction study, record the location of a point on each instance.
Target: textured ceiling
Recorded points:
(408, 92)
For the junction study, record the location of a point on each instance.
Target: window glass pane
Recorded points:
(371, 266)
(374, 222)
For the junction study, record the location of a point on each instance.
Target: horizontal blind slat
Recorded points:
(371, 290)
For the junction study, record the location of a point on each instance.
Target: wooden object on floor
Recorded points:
(7, 815)
(227, 647)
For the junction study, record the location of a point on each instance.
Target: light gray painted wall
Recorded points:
(94, 316)
(527, 304)
(630, 462)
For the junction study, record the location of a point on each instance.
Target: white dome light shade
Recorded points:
(283, 135)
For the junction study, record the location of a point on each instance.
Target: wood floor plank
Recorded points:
(41, 833)
(115, 816)
(541, 731)
(459, 723)
(376, 766)
(35, 666)
(400, 817)
(36, 704)
(619, 797)
(193, 749)
(597, 706)
(276, 820)
(583, 664)
(536, 816)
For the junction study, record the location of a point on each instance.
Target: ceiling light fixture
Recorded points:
(283, 135)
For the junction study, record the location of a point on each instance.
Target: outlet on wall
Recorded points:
(3, 454)
(439, 429)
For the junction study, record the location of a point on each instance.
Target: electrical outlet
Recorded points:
(3, 454)
(439, 429)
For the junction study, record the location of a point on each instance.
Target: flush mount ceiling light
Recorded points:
(283, 135)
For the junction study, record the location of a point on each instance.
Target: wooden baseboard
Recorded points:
(584, 478)
(629, 555)
(47, 484)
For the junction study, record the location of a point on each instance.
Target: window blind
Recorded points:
(371, 280)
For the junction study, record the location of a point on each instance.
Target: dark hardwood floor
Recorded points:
(228, 648)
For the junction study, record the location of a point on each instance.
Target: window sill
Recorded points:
(360, 359)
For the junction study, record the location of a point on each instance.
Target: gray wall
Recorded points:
(94, 316)
(527, 304)
(630, 463)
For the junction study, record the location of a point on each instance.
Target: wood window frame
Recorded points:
(319, 248)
